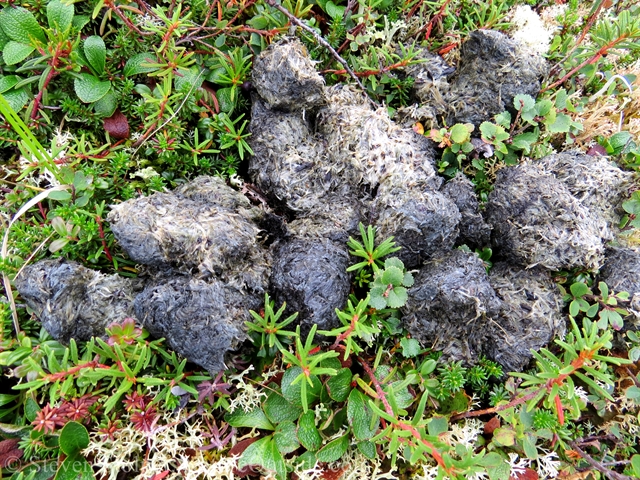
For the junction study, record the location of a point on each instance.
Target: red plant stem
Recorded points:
(589, 61)
(368, 73)
(346, 333)
(102, 238)
(110, 5)
(433, 451)
(433, 21)
(577, 364)
(52, 73)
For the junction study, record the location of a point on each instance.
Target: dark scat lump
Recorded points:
(530, 315)
(285, 77)
(621, 273)
(310, 276)
(450, 304)
(204, 224)
(493, 70)
(201, 320)
(73, 301)
(474, 231)
(536, 221)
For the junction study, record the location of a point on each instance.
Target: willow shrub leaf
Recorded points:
(286, 438)
(334, 450)
(279, 409)
(60, 15)
(255, 418)
(73, 438)
(308, 434)
(360, 416)
(264, 453)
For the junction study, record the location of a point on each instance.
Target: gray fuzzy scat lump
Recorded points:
(537, 221)
(73, 301)
(201, 320)
(310, 276)
(530, 315)
(450, 305)
(621, 273)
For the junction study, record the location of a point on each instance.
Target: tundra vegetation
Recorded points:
(103, 101)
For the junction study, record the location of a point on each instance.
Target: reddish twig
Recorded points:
(103, 240)
(589, 61)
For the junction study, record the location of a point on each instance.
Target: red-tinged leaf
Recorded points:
(559, 409)
(160, 476)
(597, 150)
(333, 474)
(238, 449)
(491, 425)
(9, 453)
(528, 474)
(117, 125)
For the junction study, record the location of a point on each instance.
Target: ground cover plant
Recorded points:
(103, 101)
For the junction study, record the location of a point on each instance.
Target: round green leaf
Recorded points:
(279, 409)
(265, 454)
(308, 434)
(90, 89)
(106, 106)
(16, 98)
(15, 52)
(392, 276)
(460, 133)
(333, 450)
(523, 101)
(20, 25)
(339, 385)
(96, 53)
(75, 467)
(60, 15)
(397, 297)
(136, 64)
(73, 438)
(368, 449)
(286, 438)
(293, 391)
(360, 416)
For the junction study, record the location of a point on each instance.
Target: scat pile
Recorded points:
(529, 316)
(326, 160)
(73, 301)
(621, 273)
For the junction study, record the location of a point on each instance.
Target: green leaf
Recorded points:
(293, 391)
(461, 133)
(635, 464)
(265, 454)
(360, 416)
(339, 385)
(368, 449)
(79, 21)
(20, 25)
(618, 141)
(96, 53)
(504, 436)
(334, 450)
(227, 98)
(8, 82)
(633, 393)
(90, 89)
(60, 195)
(377, 301)
(334, 11)
(392, 276)
(16, 52)
(437, 425)
(16, 98)
(31, 409)
(410, 347)
(407, 280)
(561, 124)
(73, 438)
(397, 297)
(579, 289)
(252, 419)
(139, 64)
(75, 467)
(285, 437)
(308, 434)
(60, 15)
(523, 101)
(106, 106)
(279, 409)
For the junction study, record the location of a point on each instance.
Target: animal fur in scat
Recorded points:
(536, 221)
(493, 70)
(450, 306)
(73, 301)
(422, 221)
(289, 163)
(365, 146)
(598, 183)
(310, 275)
(201, 320)
(474, 231)
(530, 315)
(191, 231)
(285, 77)
(621, 273)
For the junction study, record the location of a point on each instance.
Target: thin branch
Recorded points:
(296, 21)
(597, 465)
